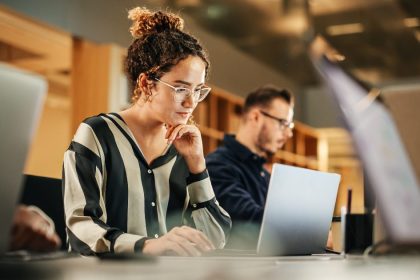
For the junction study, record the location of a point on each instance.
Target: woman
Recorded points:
(124, 190)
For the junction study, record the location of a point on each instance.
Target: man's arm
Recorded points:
(231, 193)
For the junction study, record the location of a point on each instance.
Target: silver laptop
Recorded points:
(298, 211)
(383, 154)
(21, 99)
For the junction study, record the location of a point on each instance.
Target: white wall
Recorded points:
(319, 109)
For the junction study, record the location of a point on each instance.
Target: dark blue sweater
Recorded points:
(240, 183)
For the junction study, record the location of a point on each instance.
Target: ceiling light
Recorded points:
(417, 35)
(293, 24)
(188, 3)
(216, 11)
(411, 22)
(344, 29)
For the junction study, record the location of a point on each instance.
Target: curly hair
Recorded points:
(159, 44)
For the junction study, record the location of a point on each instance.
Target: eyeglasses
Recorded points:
(282, 122)
(182, 93)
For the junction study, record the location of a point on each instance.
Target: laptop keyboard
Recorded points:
(36, 256)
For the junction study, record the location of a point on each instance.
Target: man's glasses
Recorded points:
(181, 93)
(282, 122)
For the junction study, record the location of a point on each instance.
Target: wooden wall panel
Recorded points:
(90, 80)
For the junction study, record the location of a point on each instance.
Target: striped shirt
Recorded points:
(114, 200)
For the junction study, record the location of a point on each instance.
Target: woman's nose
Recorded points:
(188, 102)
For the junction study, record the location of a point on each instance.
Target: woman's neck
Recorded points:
(147, 130)
(141, 118)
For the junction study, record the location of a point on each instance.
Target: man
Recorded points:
(236, 169)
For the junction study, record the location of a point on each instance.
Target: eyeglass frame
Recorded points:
(284, 124)
(191, 92)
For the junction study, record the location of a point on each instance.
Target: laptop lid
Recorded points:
(21, 99)
(298, 211)
(403, 103)
(383, 155)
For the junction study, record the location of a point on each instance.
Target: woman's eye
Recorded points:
(181, 90)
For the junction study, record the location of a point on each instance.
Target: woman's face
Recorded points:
(188, 73)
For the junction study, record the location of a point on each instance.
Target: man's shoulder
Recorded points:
(221, 154)
(223, 161)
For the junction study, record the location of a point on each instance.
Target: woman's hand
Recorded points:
(187, 140)
(183, 241)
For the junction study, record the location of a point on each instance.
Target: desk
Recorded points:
(259, 268)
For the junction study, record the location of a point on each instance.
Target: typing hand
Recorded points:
(32, 232)
(183, 241)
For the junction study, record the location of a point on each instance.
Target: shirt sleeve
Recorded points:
(232, 194)
(207, 215)
(84, 206)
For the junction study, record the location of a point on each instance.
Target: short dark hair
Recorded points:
(263, 96)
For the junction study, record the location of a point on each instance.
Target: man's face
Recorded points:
(272, 134)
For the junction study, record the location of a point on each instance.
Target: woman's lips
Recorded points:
(183, 114)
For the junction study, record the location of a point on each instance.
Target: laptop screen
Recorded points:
(21, 99)
(298, 211)
(381, 151)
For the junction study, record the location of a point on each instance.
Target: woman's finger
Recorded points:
(199, 235)
(187, 129)
(178, 131)
(196, 237)
(174, 133)
(186, 245)
(169, 130)
(177, 248)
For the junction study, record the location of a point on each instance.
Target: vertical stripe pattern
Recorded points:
(114, 200)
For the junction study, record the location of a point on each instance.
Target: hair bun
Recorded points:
(145, 21)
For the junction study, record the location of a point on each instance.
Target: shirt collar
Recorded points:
(241, 150)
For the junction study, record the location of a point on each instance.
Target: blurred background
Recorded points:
(266, 39)
(80, 45)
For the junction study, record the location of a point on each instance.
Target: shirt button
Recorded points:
(255, 157)
(156, 235)
(149, 171)
(262, 174)
(153, 204)
(195, 205)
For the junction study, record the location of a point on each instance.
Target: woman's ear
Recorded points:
(144, 83)
(144, 86)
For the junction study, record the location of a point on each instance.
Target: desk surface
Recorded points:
(218, 268)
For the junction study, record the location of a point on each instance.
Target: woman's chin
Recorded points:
(177, 122)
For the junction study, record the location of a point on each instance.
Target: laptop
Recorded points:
(298, 211)
(21, 99)
(297, 215)
(386, 164)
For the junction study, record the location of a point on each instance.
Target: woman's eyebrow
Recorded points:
(186, 83)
